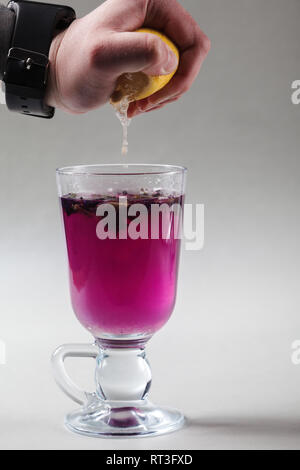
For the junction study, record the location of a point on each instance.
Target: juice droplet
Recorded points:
(121, 109)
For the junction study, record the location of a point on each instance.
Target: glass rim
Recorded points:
(82, 170)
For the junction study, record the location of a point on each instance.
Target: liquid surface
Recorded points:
(119, 287)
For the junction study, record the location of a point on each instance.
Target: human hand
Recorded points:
(87, 58)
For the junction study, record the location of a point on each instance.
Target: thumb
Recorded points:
(136, 52)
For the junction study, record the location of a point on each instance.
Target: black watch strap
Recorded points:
(27, 66)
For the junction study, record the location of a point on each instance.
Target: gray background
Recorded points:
(224, 358)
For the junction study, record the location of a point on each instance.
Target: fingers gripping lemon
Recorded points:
(138, 85)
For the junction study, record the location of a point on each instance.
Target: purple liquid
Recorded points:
(119, 287)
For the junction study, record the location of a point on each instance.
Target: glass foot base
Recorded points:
(111, 420)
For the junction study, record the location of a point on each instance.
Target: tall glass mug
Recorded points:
(123, 227)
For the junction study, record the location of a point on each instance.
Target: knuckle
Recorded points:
(204, 42)
(185, 88)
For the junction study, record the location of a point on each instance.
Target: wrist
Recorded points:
(26, 73)
(60, 66)
(52, 96)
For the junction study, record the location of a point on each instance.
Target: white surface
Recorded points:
(224, 358)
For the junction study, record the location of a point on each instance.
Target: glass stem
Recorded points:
(122, 375)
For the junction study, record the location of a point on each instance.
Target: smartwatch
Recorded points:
(27, 66)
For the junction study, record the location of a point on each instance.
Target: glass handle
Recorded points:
(62, 378)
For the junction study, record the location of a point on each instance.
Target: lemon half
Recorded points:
(138, 85)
